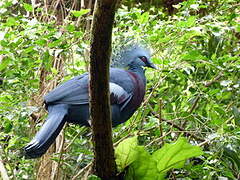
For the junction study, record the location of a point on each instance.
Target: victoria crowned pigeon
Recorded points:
(69, 102)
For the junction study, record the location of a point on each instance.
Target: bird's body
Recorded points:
(74, 94)
(69, 102)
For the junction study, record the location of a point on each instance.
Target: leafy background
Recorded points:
(195, 93)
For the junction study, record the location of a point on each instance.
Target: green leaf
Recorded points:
(8, 127)
(80, 13)
(11, 21)
(70, 27)
(54, 70)
(29, 49)
(54, 43)
(28, 7)
(126, 153)
(47, 59)
(238, 28)
(144, 167)
(93, 177)
(13, 142)
(193, 55)
(41, 42)
(191, 21)
(4, 63)
(174, 155)
(143, 18)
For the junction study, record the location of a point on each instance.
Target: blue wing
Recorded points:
(75, 91)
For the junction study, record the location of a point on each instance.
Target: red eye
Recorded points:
(144, 59)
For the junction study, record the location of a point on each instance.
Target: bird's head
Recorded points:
(141, 57)
(134, 55)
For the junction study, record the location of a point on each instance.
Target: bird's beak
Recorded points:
(151, 65)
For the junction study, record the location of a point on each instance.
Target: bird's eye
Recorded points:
(144, 59)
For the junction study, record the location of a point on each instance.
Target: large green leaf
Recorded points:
(143, 168)
(174, 155)
(126, 152)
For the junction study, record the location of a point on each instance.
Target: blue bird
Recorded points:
(69, 102)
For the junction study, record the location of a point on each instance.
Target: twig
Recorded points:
(207, 84)
(82, 170)
(194, 104)
(3, 171)
(182, 129)
(59, 149)
(192, 109)
(176, 126)
(203, 143)
(160, 138)
(160, 120)
(120, 140)
(73, 139)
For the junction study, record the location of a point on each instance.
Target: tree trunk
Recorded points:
(100, 50)
(168, 5)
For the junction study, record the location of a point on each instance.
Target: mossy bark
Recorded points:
(100, 50)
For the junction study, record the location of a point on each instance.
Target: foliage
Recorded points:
(142, 165)
(195, 93)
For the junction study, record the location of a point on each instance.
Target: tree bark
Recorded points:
(100, 50)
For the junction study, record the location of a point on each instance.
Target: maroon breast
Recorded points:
(139, 90)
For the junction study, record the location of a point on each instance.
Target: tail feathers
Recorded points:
(48, 133)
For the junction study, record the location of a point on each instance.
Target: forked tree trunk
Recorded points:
(100, 50)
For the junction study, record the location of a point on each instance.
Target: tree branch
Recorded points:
(176, 126)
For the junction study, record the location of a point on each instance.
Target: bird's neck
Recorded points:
(138, 70)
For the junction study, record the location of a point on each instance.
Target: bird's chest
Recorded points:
(138, 91)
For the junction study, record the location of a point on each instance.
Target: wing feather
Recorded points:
(75, 91)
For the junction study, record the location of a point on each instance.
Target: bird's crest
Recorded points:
(124, 56)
